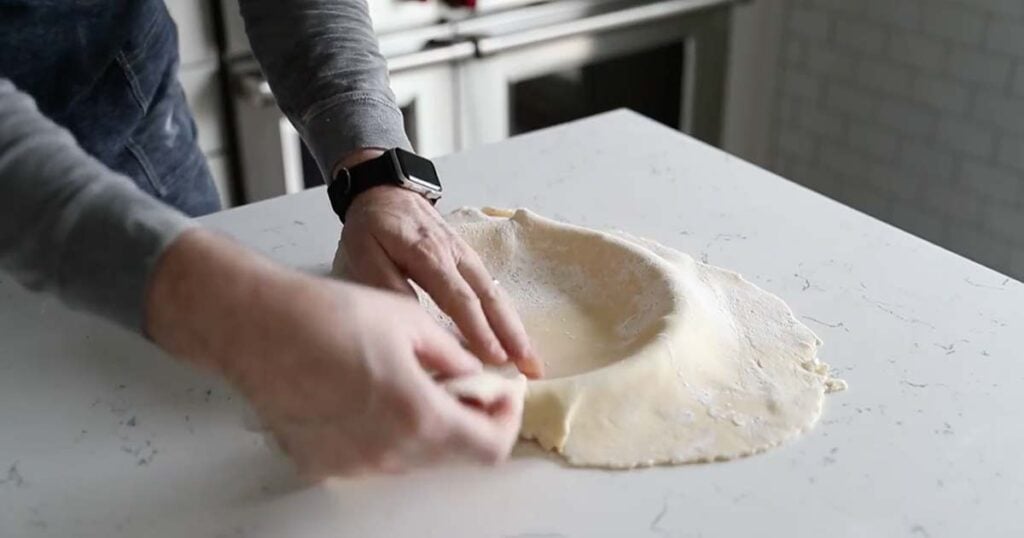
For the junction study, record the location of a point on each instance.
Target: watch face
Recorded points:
(418, 170)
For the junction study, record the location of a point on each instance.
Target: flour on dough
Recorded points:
(651, 356)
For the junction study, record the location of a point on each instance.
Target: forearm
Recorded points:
(204, 292)
(323, 64)
(69, 225)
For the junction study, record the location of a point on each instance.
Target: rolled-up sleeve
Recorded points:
(71, 226)
(324, 66)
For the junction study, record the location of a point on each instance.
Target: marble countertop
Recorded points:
(101, 435)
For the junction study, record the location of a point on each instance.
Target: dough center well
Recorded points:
(572, 339)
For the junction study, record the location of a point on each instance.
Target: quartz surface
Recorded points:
(102, 435)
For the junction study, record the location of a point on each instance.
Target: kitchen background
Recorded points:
(911, 111)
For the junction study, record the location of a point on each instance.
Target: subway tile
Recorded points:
(886, 77)
(979, 67)
(809, 23)
(851, 100)
(1006, 35)
(1011, 153)
(906, 117)
(942, 93)
(954, 22)
(924, 159)
(870, 139)
(860, 36)
(966, 137)
(992, 182)
(1006, 113)
(919, 51)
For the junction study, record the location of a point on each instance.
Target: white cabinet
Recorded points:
(202, 86)
(197, 37)
(220, 169)
(200, 77)
(426, 86)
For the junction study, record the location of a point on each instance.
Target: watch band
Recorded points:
(351, 182)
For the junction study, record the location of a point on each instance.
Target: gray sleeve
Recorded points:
(324, 66)
(69, 225)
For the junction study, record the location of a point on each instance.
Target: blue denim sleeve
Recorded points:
(71, 226)
(324, 66)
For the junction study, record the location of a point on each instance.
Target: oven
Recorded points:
(464, 77)
(551, 63)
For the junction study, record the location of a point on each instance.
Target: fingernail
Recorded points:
(535, 368)
(531, 364)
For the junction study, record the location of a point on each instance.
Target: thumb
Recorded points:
(486, 436)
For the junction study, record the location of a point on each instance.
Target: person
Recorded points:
(100, 172)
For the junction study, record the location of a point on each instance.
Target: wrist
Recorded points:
(356, 157)
(395, 168)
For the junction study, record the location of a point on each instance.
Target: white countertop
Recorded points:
(103, 436)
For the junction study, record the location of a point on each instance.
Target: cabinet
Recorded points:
(201, 78)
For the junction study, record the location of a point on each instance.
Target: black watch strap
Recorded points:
(351, 182)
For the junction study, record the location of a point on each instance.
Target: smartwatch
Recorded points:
(395, 167)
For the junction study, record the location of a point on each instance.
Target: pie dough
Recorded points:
(651, 357)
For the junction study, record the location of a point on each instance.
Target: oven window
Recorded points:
(649, 82)
(311, 173)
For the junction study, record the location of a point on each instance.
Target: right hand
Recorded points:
(393, 234)
(341, 374)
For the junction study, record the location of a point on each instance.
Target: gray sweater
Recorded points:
(70, 226)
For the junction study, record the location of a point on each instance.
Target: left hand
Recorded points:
(392, 234)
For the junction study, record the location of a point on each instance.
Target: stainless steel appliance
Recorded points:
(466, 77)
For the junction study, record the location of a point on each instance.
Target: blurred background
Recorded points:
(911, 111)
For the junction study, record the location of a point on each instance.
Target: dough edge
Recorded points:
(551, 405)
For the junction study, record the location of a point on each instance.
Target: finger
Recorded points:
(500, 313)
(439, 351)
(507, 408)
(371, 265)
(440, 278)
(486, 436)
(484, 389)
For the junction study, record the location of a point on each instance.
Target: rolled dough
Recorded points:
(651, 357)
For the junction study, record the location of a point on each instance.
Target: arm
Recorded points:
(323, 64)
(68, 224)
(342, 375)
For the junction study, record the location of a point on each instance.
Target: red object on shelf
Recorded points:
(458, 3)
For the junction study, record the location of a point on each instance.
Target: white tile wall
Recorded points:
(912, 111)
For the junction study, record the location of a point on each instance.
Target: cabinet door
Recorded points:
(427, 99)
(202, 86)
(220, 169)
(197, 39)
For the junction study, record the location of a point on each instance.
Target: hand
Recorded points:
(342, 375)
(392, 234)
